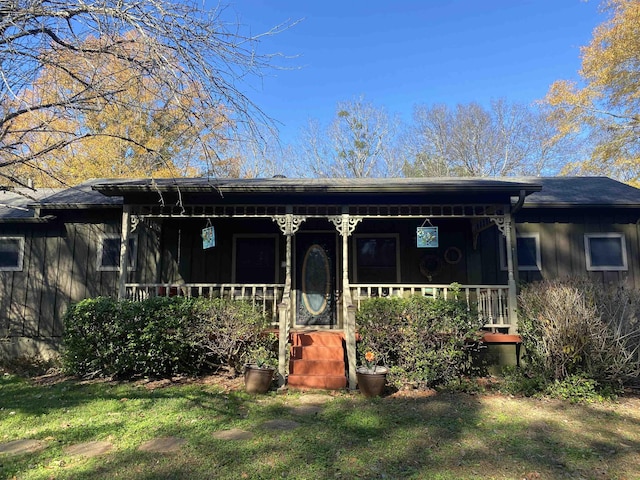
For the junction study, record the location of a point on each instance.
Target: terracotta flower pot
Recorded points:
(371, 382)
(257, 379)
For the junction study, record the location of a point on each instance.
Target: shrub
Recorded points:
(582, 329)
(230, 334)
(423, 341)
(158, 337)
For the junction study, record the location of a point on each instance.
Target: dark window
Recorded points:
(109, 254)
(376, 259)
(605, 251)
(255, 260)
(528, 253)
(11, 253)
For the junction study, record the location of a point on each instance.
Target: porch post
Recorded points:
(124, 251)
(284, 319)
(289, 225)
(346, 225)
(511, 268)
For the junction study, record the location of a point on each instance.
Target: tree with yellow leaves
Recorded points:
(112, 88)
(605, 108)
(142, 129)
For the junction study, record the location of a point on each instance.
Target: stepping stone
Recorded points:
(88, 449)
(162, 445)
(18, 447)
(314, 399)
(233, 434)
(307, 410)
(280, 424)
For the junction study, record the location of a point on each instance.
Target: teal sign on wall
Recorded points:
(208, 238)
(427, 237)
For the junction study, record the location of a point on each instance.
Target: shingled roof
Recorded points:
(587, 192)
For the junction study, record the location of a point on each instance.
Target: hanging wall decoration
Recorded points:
(427, 237)
(208, 236)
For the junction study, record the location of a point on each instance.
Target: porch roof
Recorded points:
(299, 187)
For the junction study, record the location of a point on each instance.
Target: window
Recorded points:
(376, 258)
(11, 253)
(605, 251)
(109, 252)
(528, 246)
(255, 259)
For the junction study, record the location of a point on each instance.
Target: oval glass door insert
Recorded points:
(315, 280)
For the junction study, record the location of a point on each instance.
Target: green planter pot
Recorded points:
(257, 379)
(372, 382)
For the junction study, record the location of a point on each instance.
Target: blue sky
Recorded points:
(401, 53)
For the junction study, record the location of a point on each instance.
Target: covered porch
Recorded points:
(332, 244)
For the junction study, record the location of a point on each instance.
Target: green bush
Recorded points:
(423, 341)
(576, 328)
(158, 337)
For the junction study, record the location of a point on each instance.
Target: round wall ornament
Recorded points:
(452, 255)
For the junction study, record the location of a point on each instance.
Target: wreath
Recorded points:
(452, 255)
(430, 266)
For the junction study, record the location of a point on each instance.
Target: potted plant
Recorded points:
(372, 378)
(258, 374)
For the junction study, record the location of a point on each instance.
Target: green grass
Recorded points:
(444, 436)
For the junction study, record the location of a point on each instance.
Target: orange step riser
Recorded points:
(317, 367)
(317, 339)
(317, 353)
(316, 381)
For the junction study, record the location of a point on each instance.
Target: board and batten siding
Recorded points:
(60, 267)
(562, 247)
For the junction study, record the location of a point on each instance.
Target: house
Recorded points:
(307, 251)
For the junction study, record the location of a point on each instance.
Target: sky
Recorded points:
(397, 54)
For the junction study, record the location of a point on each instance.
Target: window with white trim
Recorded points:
(11, 254)
(376, 258)
(109, 252)
(528, 246)
(605, 251)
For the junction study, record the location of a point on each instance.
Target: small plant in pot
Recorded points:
(258, 374)
(372, 378)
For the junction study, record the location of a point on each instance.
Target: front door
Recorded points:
(315, 279)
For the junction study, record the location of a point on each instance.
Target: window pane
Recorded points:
(10, 252)
(527, 255)
(606, 251)
(376, 259)
(111, 252)
(255, 260)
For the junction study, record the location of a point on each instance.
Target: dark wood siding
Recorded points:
(562, 242)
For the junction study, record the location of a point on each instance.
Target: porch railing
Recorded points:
(265, 297)
(490, 301)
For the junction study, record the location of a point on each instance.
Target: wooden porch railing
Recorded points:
(491, 301)
(266, 297)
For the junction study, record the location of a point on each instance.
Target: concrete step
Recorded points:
(324, 382)
(316, 367)
(313, 352)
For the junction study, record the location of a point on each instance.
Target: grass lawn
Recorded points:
(439, 436)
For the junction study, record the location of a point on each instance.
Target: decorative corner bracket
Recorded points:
(345, 224)
(289, 224)
(502, 223)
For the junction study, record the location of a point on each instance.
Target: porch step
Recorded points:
(317, 360)
(323, 382)
(317, 338)
(320, 352)
(317, 367)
